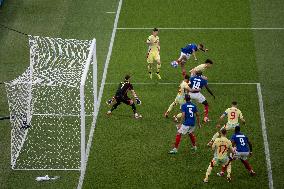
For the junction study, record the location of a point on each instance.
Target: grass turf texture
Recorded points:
(133, 153)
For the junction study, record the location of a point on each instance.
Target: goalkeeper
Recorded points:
(121, 96)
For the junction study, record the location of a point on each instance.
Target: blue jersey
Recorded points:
(241, 142)
(189, 48)
(197, 82)
(189, 109)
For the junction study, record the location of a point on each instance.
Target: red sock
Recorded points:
(193, 139)
(206, 110)
(224, 169)
(178, 137)
(183, 72)
(246, 164)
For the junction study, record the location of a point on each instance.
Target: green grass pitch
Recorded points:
(129, 153)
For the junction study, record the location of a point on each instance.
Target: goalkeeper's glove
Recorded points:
(138, 101)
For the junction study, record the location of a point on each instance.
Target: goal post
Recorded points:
(52, 104)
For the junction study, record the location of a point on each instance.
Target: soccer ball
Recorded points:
(174, 64)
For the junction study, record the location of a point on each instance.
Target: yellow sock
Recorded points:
(179, 115)
(158, 68)
(229, 169)
(208, 172)
(149, 67)
(171, 107)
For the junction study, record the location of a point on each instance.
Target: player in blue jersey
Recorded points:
(189, 112)
(186, 52)
(243, 149)
(197, 82)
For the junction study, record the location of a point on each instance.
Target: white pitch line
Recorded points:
(264, 135)
(81, 179)
(46, 169)
(179, 83)
(202, 28)
(110, 12)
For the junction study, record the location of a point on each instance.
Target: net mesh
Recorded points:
(44, 104)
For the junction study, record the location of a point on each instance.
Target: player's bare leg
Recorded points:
(150, 69)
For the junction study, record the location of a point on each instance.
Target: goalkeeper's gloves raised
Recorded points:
(138, 101)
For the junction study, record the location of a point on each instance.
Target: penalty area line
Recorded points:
(264, 135)
(202, 28)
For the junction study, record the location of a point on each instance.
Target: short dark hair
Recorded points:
(127, 77)
(224, 131)
(187, 98)
(208, 61)
(237, 129)
(155, 29)
(198, 73)
(234, 103)
(186, 76)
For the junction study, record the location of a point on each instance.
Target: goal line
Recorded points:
(261, 113)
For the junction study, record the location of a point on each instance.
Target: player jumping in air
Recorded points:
(121, 96)
(233, 115)
(189, 112)
(183, 89)
(202, 67)
(243, 150)
(186, 52)
(197, 82)
(153, 53)
(220, 146)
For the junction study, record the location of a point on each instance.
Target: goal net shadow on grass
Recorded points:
(52, 103)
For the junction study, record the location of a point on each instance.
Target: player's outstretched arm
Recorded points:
(220, 121)
(207, 88)
(138, 101)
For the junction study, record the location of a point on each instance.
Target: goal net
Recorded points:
(52, 103)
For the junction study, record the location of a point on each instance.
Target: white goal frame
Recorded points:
(90, 61)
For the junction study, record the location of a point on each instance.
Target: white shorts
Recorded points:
(187, 56)
(186, 129)
(241, 155)
(197, 96)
